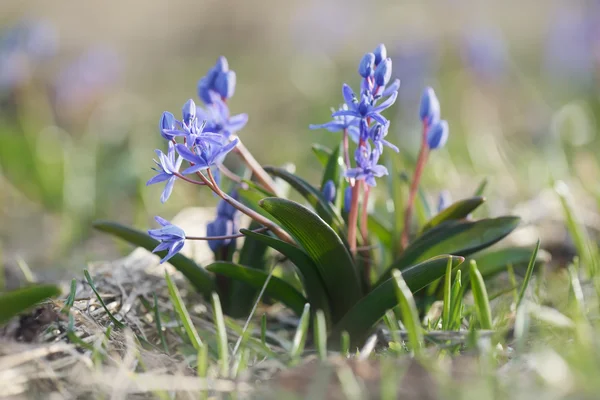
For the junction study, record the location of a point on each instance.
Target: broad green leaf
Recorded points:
(458, 210)
(461, 238)
(307, 269)
(277, 288)
(17, 301)
(381, 230)
(323, 153)
(313, 196)
(371, 308)
(241, 295)
(198, 276)
(492, 262)
(324, 246)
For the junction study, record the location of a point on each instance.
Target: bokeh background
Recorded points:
(83, 85)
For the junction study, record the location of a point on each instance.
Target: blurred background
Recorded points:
(83, 85)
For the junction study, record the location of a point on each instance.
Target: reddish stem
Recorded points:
(239, 235)
(262, 176)
(183, 177)
(364, 231)
(353, 217)
(421, 161)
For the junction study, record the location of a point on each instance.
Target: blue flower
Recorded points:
(167, 123)
(391, 88)
(429, 111)
(377, 133)
(367, 65)
(221, 226)
(364, 108)
(189, 112)
(204, 154)
(347, 199)
(168, 166)
(380, 53)
(171, 238)
(437, 135)
(219, 83)
(218, 120)
(328, 191)
(225, 84)
(341, 123)
(366, 166)
(383, 72)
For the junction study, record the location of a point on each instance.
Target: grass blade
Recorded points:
(221, 335)
(320, 333)
(410, 315)
(480, 296)
(447, 296)
(528, 274)
(300, 335)
(89, 280)
(182, 311)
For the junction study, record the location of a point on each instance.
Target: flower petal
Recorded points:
(186, 153)
(168, 190)
(158, 178)
(349, 96)
(387, 103)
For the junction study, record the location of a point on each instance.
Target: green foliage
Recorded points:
(17, 301)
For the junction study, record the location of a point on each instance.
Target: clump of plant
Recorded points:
(351, 265)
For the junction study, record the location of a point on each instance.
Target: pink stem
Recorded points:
(353, 217)
(421, 161)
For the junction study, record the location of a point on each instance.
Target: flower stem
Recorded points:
(229, 174)
(238, 235)
(262, 176)
(421, 161)
(353, 217)
(280, 233)
(185, 178)
(364, 231)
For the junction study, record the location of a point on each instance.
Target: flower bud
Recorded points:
(383, 72)
(189, 111)
(380, 53)
(219, 227)
(167, 121)
(437, 135)
(347, 199)
(430, 107)
(225, 84)
(203, 89)
(221, 65)
(365, 68)
(329, 191)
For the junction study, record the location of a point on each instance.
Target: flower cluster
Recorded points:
(436, 130)
(225, 224)
(360, 116)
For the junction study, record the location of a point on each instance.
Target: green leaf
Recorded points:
(408, 309)
(493, 262)
(480, 297)
(300, 335)
(458, 210)
(241, 295)
(381, 230)
(371, 308)
(277, 288)
(313, 196)
(460, 238)
(222, 348)
(528, 274)
(481, 187)
(183, 313)
(198, 277)
(307, 269)
(324, 246)
(323, 153)
(17, 301)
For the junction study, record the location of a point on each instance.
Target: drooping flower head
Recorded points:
(171, 238)
(225, 224)
(168, 166)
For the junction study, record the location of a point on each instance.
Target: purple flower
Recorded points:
(171, 238)
(168, 166)
(380, 53)
(347, 199)
(367, 65)
(366, 166)
(437, 135)
(383, 72)
(225, 84)
(204, 154)
(377, 133)
(191, 127)
(189, 112)
(219, 82)
(341, 123)
(218, 120)
(328, 191)
(167, 123)
(365, 108)
(221, 226)
(391, 88)
(430, 107)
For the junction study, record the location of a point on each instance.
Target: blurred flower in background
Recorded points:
(22, 47)
(484, 52)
